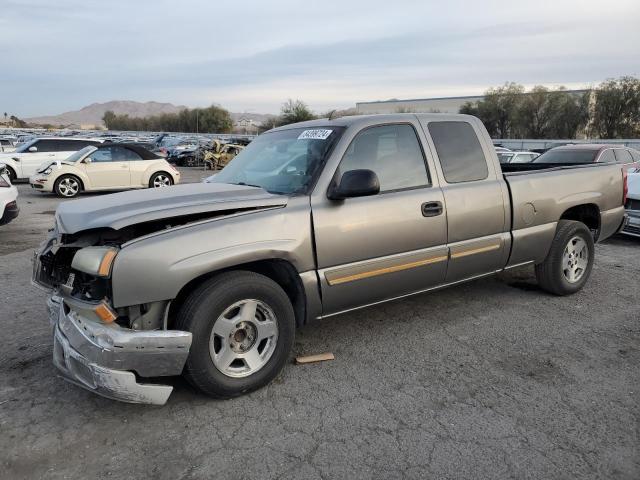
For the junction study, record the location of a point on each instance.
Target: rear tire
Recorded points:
(243, 327)
(67, 186)
(569, 261)
(160, 179)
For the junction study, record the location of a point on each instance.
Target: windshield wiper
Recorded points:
(247, 184)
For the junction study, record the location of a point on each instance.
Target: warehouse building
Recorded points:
(423, 105)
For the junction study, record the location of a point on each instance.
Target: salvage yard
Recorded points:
(491, 379)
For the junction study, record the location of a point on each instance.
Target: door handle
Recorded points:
(431, 209)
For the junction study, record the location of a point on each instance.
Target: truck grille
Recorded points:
(632, 229)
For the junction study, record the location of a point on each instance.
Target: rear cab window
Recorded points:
(459, 151)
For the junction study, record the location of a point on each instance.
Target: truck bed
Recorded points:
(540, 197)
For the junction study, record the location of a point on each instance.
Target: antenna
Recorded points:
(331, 114)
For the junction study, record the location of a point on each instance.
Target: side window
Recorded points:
(102, 155)
(635, 155)
(607, 156)
(459, 151)
(623, 156)
(393, 152)
(45, 146)
(122, 154)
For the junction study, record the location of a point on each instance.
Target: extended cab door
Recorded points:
(475, 195)
(374, 248)
(108, 167)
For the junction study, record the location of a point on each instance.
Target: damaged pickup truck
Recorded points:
(311, 220)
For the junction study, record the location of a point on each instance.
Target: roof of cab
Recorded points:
(355, 120)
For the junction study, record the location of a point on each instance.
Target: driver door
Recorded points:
(374, 248)
(108, 168)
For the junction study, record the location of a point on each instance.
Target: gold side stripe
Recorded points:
(381, 271)
(473, 251)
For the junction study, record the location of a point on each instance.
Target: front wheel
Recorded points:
(569, 261)
(160, 179)
(67, 186)
(243, 328)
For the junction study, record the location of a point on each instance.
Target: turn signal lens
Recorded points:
(107, 261)
(105, 313)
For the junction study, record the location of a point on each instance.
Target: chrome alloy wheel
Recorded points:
(161, 180)
(575, 259)
(68, 187)
(243, 338)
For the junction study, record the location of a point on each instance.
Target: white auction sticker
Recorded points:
(315, 134)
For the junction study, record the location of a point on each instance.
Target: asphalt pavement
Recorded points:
(492, 379)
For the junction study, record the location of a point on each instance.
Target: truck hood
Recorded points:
(120, 210)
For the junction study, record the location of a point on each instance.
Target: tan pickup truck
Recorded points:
(311, 220)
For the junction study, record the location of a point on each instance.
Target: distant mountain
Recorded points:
(92, 114)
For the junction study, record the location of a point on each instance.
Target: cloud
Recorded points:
(330, 54)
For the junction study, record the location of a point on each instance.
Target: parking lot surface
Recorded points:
(491, 379)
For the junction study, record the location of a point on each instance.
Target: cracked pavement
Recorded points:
(491, 379)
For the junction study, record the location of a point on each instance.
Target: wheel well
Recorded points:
(280, 271)
(161, 171)
(589, 214)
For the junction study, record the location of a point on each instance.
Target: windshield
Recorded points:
(25, 146)
(80, 154)
(284, 162)
(567, 156)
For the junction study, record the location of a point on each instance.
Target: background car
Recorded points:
(25, 160)
(517, 157)
(8, 198)
(589, 153)
(112, 166)
(7, 144)
(632, 205)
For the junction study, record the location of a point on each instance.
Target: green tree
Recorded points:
(212, 119)
(294, 111)
(617, 108)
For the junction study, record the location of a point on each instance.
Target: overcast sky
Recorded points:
(251, 56)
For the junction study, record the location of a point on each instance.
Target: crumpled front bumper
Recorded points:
(103, 357)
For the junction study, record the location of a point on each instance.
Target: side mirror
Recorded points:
(33, 149)
(87, 160)
(355, 183)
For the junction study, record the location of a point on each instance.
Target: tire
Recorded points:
(210, 314)
(569, 261)
(67, 186)
(12, 175)
(160, 179)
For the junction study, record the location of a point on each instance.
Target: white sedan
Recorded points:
(8, 196)
(110, 166)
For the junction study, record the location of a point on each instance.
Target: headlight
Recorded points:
(46, 171)
(95, 260)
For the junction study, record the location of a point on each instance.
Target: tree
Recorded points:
(498, 110)
(294, 111)
(212, 119)
(617, 108)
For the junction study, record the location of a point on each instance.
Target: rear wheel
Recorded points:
(243, 328)
(160, 179)
(569, 261)
(67, 186)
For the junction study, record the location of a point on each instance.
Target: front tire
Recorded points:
(569, 261)
(160, 180)
(11, 174)
(67, 186)
(243, 328)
